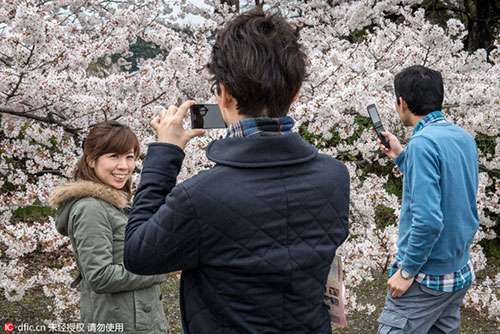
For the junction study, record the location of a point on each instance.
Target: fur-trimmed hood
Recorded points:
(63, 197)
(79, 189)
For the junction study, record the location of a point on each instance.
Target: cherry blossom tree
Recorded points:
(65, 65)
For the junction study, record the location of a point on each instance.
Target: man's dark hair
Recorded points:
(421, 88)
(258, 59)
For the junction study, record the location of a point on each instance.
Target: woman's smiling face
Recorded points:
(114, 169)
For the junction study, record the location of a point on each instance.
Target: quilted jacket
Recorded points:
(94, 216)
(254, 236)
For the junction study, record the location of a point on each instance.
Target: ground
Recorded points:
(374, 293)
(33, 309)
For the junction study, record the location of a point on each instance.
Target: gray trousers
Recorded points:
(422, 311)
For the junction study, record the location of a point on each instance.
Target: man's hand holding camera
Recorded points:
(169, 128)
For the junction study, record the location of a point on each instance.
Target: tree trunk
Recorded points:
(479, 34)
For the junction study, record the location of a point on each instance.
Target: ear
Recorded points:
(91, 163)
(296, 96)
(225, 96)
(403, 104)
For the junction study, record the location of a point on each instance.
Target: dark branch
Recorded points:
(14, 90)
(153, 100)
(29, 57)
(494, 171)
(48, 119)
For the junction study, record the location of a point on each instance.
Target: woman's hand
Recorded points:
(169, 127)
(394, 148)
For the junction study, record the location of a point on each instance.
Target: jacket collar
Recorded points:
(261, 151)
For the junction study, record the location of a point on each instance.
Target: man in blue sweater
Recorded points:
(433, 268)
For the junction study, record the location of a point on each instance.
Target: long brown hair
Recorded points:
(106, 137)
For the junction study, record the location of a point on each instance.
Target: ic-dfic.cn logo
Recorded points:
(9, 327)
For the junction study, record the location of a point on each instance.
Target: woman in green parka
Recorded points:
(93, 212)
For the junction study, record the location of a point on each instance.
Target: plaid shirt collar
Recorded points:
(432, 117)
(260, 126)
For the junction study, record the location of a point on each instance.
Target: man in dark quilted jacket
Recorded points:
(255, 235)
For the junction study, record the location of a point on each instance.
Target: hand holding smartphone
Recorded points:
(169, 126)
(206, 116)
(377, 124)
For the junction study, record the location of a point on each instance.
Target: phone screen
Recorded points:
(372, 110)
(377, 124)
(206, 116)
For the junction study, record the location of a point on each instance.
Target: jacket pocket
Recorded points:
(147, 304)
(391, 322)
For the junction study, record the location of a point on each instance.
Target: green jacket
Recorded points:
(94, 217)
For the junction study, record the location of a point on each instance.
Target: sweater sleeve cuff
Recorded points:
(400, 159)
(409, 266)
(163, 158)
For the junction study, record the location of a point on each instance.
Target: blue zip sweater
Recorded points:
(439, 213)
